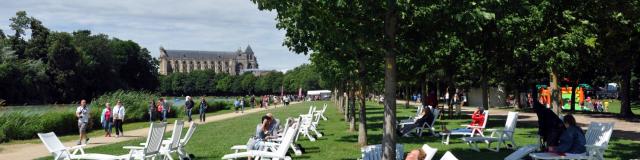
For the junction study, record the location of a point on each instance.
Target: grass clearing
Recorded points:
(213, 140)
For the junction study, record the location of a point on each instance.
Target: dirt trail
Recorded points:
(37, 150)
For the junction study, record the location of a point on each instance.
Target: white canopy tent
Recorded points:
(321, 94)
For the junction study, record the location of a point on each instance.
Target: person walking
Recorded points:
(105, 120)
(164, 109)
(188, 105)
(152, 109)
(252, 101)
(203, 109)
(242, 104)
(118, 118)
(82, 113)
(236, 104)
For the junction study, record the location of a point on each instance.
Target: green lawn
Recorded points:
(213, 140)
(127, 126)
(614, 107)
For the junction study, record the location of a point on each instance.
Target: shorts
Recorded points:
(82, 127)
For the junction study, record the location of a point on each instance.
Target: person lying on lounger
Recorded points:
(427, 117)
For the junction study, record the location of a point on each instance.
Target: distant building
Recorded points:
(185, 61)
(258, 72)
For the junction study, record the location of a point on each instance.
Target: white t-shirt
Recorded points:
(84, 114)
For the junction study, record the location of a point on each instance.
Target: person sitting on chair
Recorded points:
(572, 140)
(427, 117)
(550, 126)
(477, 119)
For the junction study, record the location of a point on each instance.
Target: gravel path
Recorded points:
(37, 150)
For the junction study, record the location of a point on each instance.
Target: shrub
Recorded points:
(25, 124)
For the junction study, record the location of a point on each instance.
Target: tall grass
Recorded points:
(24, 124)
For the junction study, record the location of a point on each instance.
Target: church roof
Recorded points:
(248, 50)
(200, 54)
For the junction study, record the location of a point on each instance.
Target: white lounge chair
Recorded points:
(173, 144)
(448, 156)
(60, 152)
(306, 126)
(374, 152)
(279, 153)
(320, 113)
(429, 151)
(500, 136)
(184, 141)
(469, 131)
(151, 149)
(269, 145)
(522, 152)
(428, 126)
(597, 141)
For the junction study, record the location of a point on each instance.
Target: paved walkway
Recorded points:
(622, 128)
(33, 151)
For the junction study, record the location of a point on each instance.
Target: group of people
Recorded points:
(264, 101)
(109, 118)
(562, 136)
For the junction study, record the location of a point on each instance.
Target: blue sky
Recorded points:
(216, 25)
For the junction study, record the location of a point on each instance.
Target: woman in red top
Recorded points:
(477, 118)
(105, 119)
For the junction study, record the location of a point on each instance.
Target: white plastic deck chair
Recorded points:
(430, 127)
(522, 152)
(183, 142)
(448, 156)
(279, 153)
(374, 152)
(429, 151)
(151, 149)
(306, 125)
(60, 152)
(293, 124)
(500, 136)
(597, 141)
(173, 144)
(321, 112)
(471, 130)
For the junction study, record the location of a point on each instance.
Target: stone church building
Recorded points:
(232, 63)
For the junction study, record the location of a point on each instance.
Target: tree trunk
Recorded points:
(423, 90)
(485, 92)
(625, 106)
(352, 110)
(389, 124)
(407, 96)
(518, 99)
(574, 86)
(362, 127)
(555, 104)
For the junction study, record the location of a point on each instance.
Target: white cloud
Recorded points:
(196, 25)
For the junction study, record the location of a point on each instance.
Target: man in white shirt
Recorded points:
(118, 118)
(82, 113)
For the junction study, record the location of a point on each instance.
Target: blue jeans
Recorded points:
(107, 126)
(189, 113)
(164, 115)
